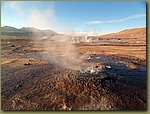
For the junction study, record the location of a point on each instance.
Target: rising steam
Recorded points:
(62, 51)
(59, 48)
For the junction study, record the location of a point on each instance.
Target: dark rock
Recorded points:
(28, 96)
(27, 64)
(17, 87)
(12, 45)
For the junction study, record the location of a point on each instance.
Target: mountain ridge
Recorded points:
(26, 31)
(31, 31)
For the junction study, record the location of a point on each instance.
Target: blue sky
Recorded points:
(102, 17)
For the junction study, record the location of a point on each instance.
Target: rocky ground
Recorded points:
(112, 81)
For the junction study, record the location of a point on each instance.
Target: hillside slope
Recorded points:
(128, 33)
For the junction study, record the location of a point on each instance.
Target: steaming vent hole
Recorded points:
(94, 71)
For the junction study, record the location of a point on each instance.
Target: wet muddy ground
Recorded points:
(109, 82)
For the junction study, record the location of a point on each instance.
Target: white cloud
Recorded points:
(38, 18)
(16, 6)
(118, 20)
(42, 18)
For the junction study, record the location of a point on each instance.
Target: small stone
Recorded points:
(89, 57)
(64, 107)
(27, 64)
(28, 96)
(17, 87)
(108, 66)
(96, 66)
(12, 45)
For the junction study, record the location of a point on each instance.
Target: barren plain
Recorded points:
(112, 74)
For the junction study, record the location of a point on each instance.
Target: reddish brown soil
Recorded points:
(30, 82)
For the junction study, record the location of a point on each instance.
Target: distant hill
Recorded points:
(129, 33)
(26, 31)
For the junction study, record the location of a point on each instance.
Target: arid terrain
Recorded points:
(111, 75)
